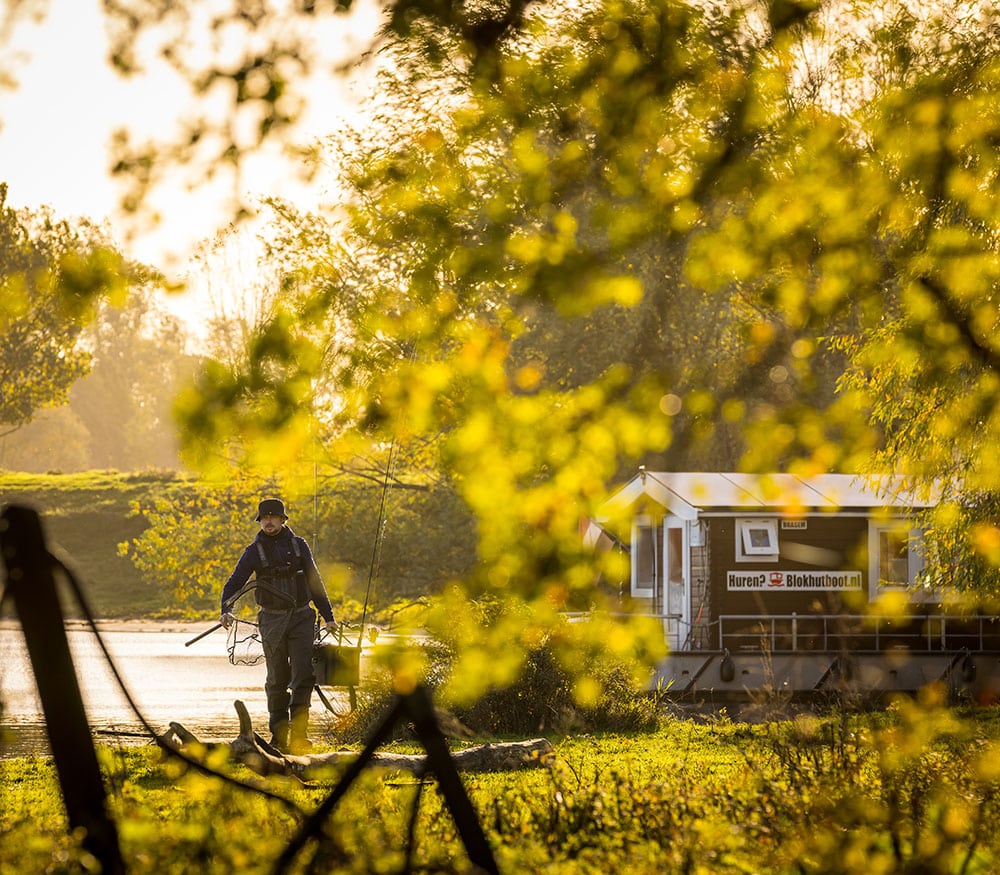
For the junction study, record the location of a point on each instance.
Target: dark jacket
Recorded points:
(286, 574)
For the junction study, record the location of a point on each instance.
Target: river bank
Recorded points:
(167, 678)
(124, 625)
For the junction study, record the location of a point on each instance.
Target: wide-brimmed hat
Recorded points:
(271, 507)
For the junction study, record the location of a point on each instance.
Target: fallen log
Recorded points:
(260, 757)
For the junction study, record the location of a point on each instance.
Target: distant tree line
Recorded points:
(89, 362)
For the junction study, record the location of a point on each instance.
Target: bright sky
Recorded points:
(55, 128)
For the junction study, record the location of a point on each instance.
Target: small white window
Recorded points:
(645, 557)
(896, 555)
(757, 539)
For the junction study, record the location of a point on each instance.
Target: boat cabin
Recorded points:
(781, 581)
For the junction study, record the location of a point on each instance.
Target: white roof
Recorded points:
(689, 494)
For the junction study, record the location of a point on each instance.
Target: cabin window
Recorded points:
(756, 540)
(896, 554)
(676, 593)
(645, 560)
(675, 554)
(893, 559)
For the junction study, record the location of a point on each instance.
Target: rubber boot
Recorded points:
(279, 735)
(298, 740)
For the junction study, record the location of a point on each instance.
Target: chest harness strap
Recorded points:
(263, 555)
(270, 587)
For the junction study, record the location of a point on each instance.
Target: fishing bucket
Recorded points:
(337, 665)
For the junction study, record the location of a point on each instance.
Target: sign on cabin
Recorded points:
(788, 581)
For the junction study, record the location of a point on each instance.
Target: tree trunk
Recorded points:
(255, 753)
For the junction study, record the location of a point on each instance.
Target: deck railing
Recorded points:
(792, 633)
(803, 633)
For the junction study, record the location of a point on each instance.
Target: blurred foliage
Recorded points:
(907, 792)
(540, 701)
(574, 239)
(545, 697)
(579, 238)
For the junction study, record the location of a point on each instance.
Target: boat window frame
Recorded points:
(637, 588)
(913, 541)
(748, 549)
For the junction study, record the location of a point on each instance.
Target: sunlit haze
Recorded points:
(55, 130)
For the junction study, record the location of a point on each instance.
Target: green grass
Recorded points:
(171, 819)
(84, 518)
(908, 791)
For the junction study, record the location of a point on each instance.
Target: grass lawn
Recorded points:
(913, 789)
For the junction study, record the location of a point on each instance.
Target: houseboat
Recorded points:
(786, 583)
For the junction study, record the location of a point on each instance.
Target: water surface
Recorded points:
(194, 685)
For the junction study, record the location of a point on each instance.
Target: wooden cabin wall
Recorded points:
(843, 541)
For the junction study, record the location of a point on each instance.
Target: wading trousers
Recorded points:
(287, 637)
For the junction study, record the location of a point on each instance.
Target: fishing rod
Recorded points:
(339, 664)
(376, 561)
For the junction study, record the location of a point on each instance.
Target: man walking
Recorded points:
(287, 580)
